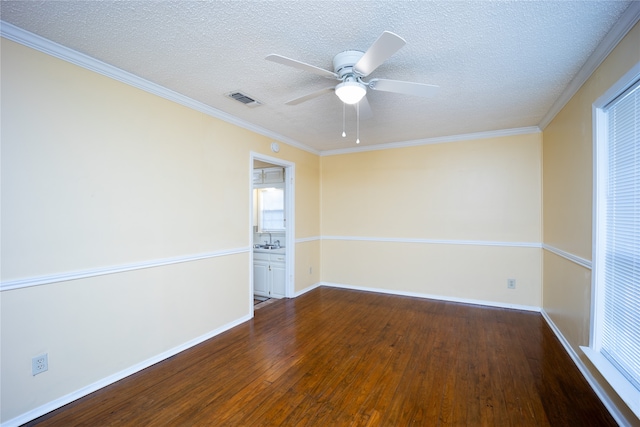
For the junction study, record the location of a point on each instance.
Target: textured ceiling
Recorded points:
(499, 64)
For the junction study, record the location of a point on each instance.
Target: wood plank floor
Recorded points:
(335, 357)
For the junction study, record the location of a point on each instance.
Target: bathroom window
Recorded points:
(271, 210)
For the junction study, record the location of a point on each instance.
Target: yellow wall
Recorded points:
(307, 211)
(567, 200)
(485, 193)
(98, 174)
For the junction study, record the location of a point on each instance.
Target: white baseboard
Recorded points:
(57, 403)
(604, 398)
(64, 400)
(602, 395)
(434, 297)
(305, 290)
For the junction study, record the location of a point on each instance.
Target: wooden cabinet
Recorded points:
(260, 277)
(278, 276)
(269, 275)
(272, 175)
(257, 176)
(268, 176)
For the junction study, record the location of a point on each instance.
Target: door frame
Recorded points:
(289, 208)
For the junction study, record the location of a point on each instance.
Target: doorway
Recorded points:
(272, 219)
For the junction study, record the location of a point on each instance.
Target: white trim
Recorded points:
(568, 256)
(435, 241)
(599, 133)
(74, 275)
(625, 82)
(626, 22)
(434, 297)
(437, 140)
(26, 38)
(308, 239)
(290, 215)
(600, 129)
(622, 386)
(305, 290)
(602, 395)
(83, 274)
(84, 391)
(627, 392)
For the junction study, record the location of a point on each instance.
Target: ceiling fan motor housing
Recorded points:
(344, 61)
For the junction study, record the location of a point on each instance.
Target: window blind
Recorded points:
(620, 334)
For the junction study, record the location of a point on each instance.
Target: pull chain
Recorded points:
(358, 123)
(343, 121)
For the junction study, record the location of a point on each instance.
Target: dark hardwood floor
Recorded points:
(335, 357)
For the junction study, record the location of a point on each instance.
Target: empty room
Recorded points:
(320, 213)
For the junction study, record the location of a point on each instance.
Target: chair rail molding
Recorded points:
(568, 256)
(82, 274)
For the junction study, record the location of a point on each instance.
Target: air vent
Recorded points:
(244, 98)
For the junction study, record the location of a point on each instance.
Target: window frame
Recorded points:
(625, 389)
(260, 208)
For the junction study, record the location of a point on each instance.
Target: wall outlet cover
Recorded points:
(39, 364)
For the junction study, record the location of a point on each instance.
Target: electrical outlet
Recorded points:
(511, 283)
(39, 364)
(310, 270)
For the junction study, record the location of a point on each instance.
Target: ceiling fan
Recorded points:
(351, 66)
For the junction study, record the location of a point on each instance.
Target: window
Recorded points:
(615, 326)
(271, 209)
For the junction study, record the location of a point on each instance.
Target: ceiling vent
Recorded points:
(244, 98)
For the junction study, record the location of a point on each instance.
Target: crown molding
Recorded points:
(629, 18)
(437, 140)
(34, 41)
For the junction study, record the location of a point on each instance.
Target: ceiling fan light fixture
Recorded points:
(351, 92)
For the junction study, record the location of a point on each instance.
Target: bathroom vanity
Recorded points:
(269, 272)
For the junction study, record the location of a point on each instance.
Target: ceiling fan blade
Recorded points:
(301, 65)
(387, 44)
(407, 88)
(365, 109)
(309, 96)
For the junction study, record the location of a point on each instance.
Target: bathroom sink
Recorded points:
(268, 247)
